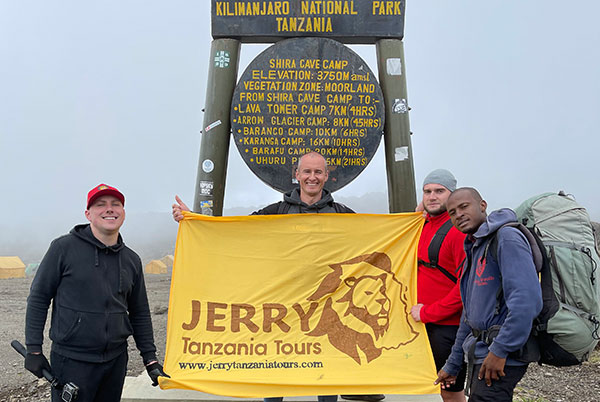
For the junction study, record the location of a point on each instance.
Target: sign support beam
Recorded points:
(398, 150)
(214, 147)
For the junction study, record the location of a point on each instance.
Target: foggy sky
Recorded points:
(505, 94)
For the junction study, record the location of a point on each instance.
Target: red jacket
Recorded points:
(438, 294)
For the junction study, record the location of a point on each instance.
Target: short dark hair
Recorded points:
(474, 193)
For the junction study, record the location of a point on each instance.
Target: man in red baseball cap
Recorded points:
(96, 286)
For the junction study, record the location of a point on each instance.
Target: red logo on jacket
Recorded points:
(480, 267)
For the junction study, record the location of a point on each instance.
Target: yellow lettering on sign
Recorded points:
(270, 160)
(335, 64)
(331, 7)
(387, 8)
(252, 96)
(267, 151)
(284, 108)
(317, 121)
(287, 120)
(304, 24)
(313, 109)
(339, 98)
(248, 108)
(298, 131)
(313, 97)
(280, 97)
(282, 63)
(253, 8)
(292, 141)
(250, 119)
(310, 63)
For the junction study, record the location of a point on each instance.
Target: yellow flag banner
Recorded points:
(292, 305)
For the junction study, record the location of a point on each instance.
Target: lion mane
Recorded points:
(362, 321)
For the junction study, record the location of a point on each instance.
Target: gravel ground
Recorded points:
(542, 383)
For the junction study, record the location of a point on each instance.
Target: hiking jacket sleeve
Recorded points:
(521, 289)
(43, 290)
(443, 308)
(456, 358)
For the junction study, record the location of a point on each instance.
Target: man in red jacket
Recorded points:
(441, 253)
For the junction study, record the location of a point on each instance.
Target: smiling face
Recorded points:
(312, 175)
(106, 215)
(467, 210)
(435, 197)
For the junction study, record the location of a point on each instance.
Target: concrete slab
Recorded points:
(139, 389)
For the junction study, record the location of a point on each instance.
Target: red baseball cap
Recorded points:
(104, 189)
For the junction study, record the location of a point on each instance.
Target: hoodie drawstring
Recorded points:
(120, 267)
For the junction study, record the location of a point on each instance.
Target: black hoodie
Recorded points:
(98, 299)
(292, 204)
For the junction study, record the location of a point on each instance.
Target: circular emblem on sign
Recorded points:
(303, 95)
(208, 166)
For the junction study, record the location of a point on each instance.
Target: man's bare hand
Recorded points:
(492, 368)
(445, 379)
(415, 312)
(178, 208)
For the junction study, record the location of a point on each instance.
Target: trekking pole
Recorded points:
(68, 391)
(47, 375)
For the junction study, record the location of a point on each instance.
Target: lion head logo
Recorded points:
(366, 311)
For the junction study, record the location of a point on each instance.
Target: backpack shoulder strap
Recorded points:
(535, 243)
(342, 209)
(283, 208)
(433, 251)
(537, 252)
(272, 209)
(436, 243)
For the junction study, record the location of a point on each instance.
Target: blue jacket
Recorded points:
(479, 285)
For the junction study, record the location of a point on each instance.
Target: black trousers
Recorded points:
(441, 339)
(97, 382)
(501, 390)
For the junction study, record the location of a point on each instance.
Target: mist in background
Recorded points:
(505, 94)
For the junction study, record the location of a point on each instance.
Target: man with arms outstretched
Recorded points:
(309, 197)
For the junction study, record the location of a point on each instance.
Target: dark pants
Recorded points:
(97, 382)
(441, 339)
(501, 390)
(320, 398)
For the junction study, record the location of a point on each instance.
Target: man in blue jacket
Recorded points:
(501, 297)
(96, 286)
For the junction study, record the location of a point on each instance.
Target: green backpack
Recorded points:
(568, 327)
